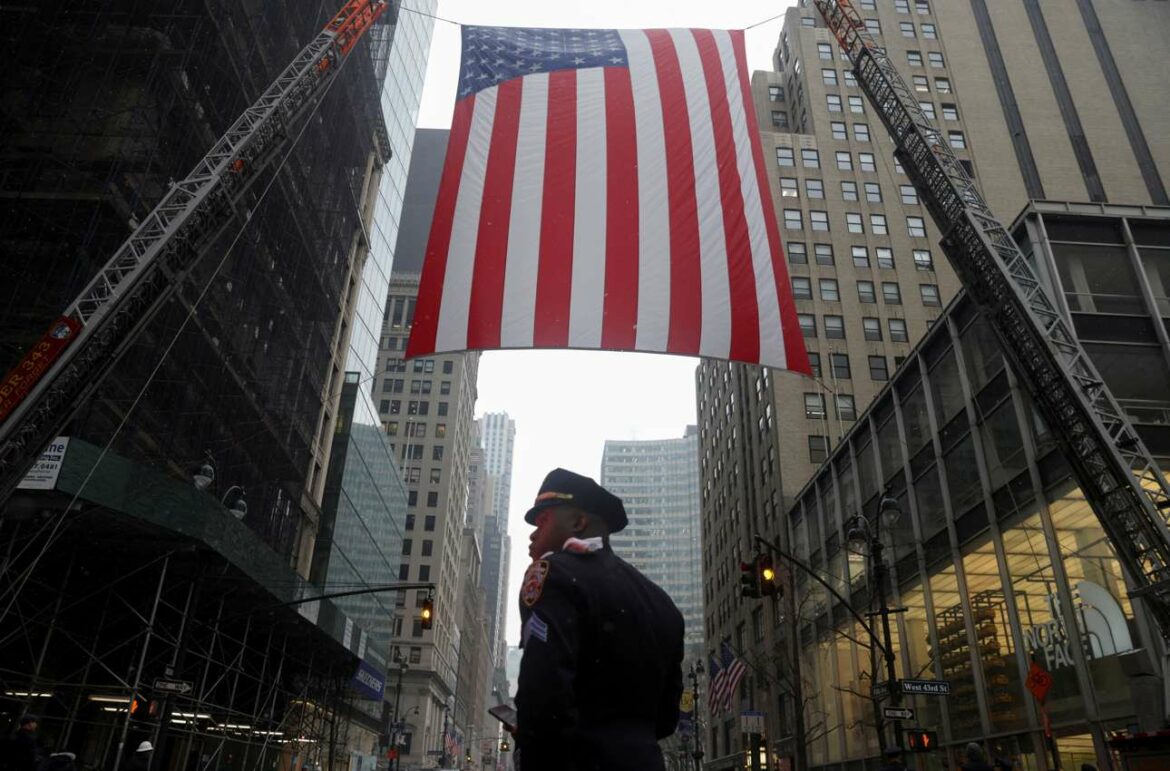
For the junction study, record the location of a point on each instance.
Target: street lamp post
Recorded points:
(395, 727)
(697, 754)
(862, 534)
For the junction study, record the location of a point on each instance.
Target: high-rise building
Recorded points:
(498, 436)
(658, 482)
(215, 431)
(427, 409)
(1037, 100)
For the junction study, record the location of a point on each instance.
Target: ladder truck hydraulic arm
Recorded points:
(55, 377)
(1115, 470)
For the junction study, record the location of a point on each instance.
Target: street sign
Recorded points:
(751, 722)
(174, 686)
(928, 687)
(881, 691)
(897, 713)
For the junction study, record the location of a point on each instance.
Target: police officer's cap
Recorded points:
(565, 488)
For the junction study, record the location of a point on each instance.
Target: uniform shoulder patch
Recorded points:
(533, 585)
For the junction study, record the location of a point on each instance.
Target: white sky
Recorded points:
(567, 403)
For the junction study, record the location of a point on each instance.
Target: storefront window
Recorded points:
(954, 655)
(1034, 588)
(1104, 618)
(1003, 448)
(996, 649)
(919, 658)
(928, 495)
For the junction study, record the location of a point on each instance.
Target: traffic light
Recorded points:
(921, 741)
(766, 576)
(426, 616)
(749, 580)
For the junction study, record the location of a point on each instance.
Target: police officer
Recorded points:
(601, 675)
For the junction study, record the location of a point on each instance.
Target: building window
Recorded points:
(865, 162)
(929, 31)
(849, 191)
(914, 58)
(429, 523)
(897, 329)
(404, 571)
(808, 324)
(902, 6)
(776, 93)
(936, 59)
(814, 406)
(407, 545)
(873, 192)
(428, 548)
(854, 222)
(873, 26)
(846, 407)
(797, 253)
(785, 156)
(412, 497)
(949, 111)
(829, 78)
(440, 430)
(437, 453)
(869, 5)
(807, 21)
(793, 220)
(878, 368)
(819, 220)
(860, 256)
(839, 364)
(927, 109)
(432, 499)
(801, 288)
(929, 294)
(444, 388)
(861, 132)
(844, 160)
(942, 85)
(818, 448)
(810, 158)
(849, 79)
(814, 363)
(891, 293)
(834, 102)
(921, 83)
(395, 407)
(823, 254)
(788, 188)
(907, 28)
(877, 224)
(871, 328)
(885, 257)
(916, 227)
(923, 260)
(898, 166)
(424, 572)
(957, 140)
(908, 193)
(442, 409)
(922, 7)
(410, 522)
(866, 292)
(856, 104)
(435, 475)
(838, 129)
(830, 291)
(814, 188)
(824, 50)
(835, 327)
(779, 119)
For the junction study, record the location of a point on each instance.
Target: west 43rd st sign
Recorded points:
(929, 687)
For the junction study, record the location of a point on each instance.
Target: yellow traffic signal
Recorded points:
(427, 615)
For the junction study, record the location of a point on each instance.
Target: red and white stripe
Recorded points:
(735, 673)
(620, 208)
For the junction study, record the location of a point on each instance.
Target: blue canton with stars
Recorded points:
(492, 55)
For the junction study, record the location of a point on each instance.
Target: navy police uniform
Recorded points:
(601, 675)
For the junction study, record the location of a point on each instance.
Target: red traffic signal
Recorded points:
(921, 741)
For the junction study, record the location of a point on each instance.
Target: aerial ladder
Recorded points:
(58, 374)
(1115, 470)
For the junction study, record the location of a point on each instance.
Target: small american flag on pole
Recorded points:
(606, 189)
(726, 680)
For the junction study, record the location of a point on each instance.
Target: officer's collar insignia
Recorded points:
(550, 495)
(533, 584)
(583, 545)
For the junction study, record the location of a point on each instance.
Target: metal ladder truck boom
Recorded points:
(1119, 478)
(56, 376)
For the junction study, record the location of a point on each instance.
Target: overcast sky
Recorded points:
(567, 403)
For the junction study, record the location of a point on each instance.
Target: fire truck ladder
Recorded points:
(145, 271)
(1119, 478)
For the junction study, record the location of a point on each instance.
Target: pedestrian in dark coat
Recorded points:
(140, 760)
(22, 751)
(601, 675)
(975, 759)
(893, 760)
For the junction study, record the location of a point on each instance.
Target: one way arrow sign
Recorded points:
(897, 713)
(174, 686)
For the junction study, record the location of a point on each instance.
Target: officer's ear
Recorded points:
(580, 521)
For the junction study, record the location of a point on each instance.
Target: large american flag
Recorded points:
(606, 189)
(724, 679)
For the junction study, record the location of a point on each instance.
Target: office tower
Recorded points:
(1053, 100)
(658, 483)
(427, 408)
(191, 544)
(498, 435)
